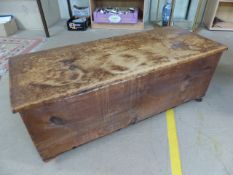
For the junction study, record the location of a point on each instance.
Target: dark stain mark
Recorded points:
(143, 64)
(187, 77)
(207, 68)
(74, 76)
(150, 55)
(41, 85)
(118, 68)
(56, 120)
(128, 57)
(155, 58)
(68, 61)
(46, 86)
(106, 55)
(62, 83)
(180, 45)
(101, 74)
(73, 67)
(50, 71)
(159, 59)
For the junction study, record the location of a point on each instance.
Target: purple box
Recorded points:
(116, 18)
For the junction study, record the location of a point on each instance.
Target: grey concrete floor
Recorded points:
(205, 129)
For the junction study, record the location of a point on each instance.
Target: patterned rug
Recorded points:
(14, 46)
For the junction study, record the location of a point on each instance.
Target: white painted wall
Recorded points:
(180, 9)
(25, 11)
(64, 8)
(27, 14)
(51, 11)
(193, 9)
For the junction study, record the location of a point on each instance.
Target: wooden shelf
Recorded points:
(225, 0)
(138, 26)
(223, 26)
(119, 3)
(222, 10)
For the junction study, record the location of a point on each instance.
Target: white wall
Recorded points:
(27, 14)
(180, 9)
(51, 11)
(63, 9)
(193, 9)
(25, 11)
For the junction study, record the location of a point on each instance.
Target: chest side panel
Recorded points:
(72, 121)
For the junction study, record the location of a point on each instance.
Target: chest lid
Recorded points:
(49, 75)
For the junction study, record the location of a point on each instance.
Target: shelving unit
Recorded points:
(219, 15)
(43, 19)
(190, 20)
(140, 4)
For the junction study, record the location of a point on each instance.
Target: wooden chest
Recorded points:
(71, 95)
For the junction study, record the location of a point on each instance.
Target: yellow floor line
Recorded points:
(173, 143)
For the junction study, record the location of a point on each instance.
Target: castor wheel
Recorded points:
(198, 99)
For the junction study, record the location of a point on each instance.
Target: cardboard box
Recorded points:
(9, 27)
(78, 24)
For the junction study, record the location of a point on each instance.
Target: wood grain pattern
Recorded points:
(72, 95)
(75, 120)
(49, 75)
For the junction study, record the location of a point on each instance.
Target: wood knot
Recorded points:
(185, 83)
(56, 120)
